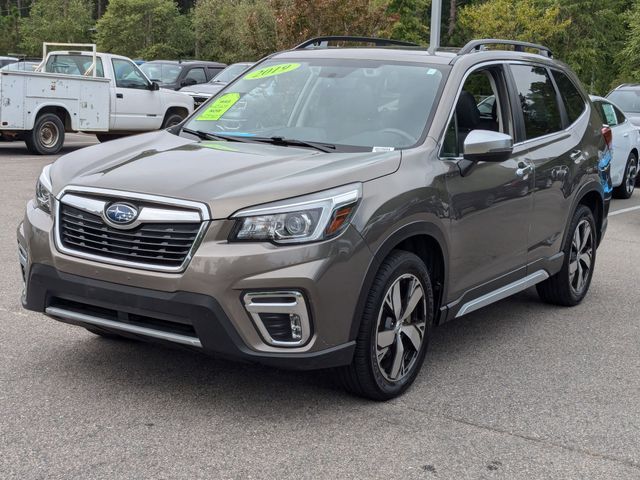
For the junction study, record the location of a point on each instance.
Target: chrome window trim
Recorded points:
(501, 62)
(203, 209)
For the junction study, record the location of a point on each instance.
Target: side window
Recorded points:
(538, 101)
(480, 106)
(608, 113)
(573, 101)
(196, 74)
(127, 75)
(213, 71)
(619, 115)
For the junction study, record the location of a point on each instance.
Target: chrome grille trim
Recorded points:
(199, 214)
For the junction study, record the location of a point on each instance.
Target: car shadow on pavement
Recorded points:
(134, 368)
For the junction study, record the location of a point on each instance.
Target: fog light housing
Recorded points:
(281, 317)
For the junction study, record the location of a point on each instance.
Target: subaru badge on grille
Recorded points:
(121, 213)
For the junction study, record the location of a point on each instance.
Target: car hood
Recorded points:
(204, 89)
(228, 176)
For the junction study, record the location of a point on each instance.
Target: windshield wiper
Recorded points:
(216, 136)
(293, 142)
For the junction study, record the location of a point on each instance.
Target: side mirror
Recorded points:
(487, 146)
(154, 86)
(187, 82)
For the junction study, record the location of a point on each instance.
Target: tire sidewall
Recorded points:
(170, 121)
(403, 263)
(35, 141)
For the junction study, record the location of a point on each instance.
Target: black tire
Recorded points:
(107, 137)
(171, 119)
(628, 185)
(564, 288)
(368, 376)
(47, 136)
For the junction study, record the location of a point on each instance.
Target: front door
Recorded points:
(490, 203)
(137, 107)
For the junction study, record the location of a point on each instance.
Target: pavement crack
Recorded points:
(601, 456)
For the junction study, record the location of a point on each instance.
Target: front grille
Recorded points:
(156, 244)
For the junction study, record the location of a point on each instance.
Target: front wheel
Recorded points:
(570, 285)
(172, 119)
(394, 330)
(47, 136)
(628, 185)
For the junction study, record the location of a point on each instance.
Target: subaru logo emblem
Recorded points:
(121, 213)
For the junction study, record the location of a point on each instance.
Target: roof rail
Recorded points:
(477, 45)
(323, 42)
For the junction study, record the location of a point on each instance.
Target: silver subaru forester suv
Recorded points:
(329, 207)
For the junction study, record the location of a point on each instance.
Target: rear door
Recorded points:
(137, 107)
(554, 118)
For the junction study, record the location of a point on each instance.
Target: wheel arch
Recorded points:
(60, 111)
(425, 240)
(590, 196)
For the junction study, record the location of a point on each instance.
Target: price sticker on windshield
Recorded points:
(272, 71)
(218, 108)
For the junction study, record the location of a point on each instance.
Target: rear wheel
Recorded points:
(628, 185)
(47, 136)
(394, 330)
(172, 119)
(570, 285)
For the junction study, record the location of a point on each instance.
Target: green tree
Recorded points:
(56, 21)
(413, 17)
(148, 29)
(512, 19)
(10, 28)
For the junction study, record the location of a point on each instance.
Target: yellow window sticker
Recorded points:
(218, 108)
(272, 71)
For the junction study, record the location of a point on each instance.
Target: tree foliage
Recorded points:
(144, 28)
(68, 21)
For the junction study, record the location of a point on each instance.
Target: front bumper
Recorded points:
(203, 307)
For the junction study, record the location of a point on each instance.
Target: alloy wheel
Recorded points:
(401, 327)
(581, 256)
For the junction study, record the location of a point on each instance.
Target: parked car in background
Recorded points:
(175, 74)
(7, 60)
(627, 99)
(22, 66)
(204, 91)
(84, 91)
(360, 201)
(625, 145)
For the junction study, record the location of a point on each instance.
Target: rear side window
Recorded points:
(538, 101)
(73, 65)
(620, 115)
(608, 113)
(573, 101)
(196, 74)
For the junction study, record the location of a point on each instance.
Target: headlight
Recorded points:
(43, 190)
(304, 219)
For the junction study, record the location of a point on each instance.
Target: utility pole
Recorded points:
(436, 15)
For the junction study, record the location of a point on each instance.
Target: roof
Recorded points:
(189, 62)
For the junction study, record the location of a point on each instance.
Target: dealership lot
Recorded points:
(517, 390)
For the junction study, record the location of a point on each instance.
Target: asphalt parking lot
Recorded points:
(519, 390)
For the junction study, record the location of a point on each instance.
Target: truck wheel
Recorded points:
(47, 136)
(394, 329)
(106, 137)
(172, 119)
(570, 285)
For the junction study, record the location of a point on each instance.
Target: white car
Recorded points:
(624, 147)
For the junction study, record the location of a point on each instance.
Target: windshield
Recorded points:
(361, 103)
(627, 100)
(229, 73)
(161, 72)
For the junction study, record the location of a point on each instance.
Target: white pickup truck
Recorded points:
(83, 91)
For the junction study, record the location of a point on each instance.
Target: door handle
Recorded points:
(119, 95)
(523, 170)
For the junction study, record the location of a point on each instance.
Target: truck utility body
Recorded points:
(83, 91)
